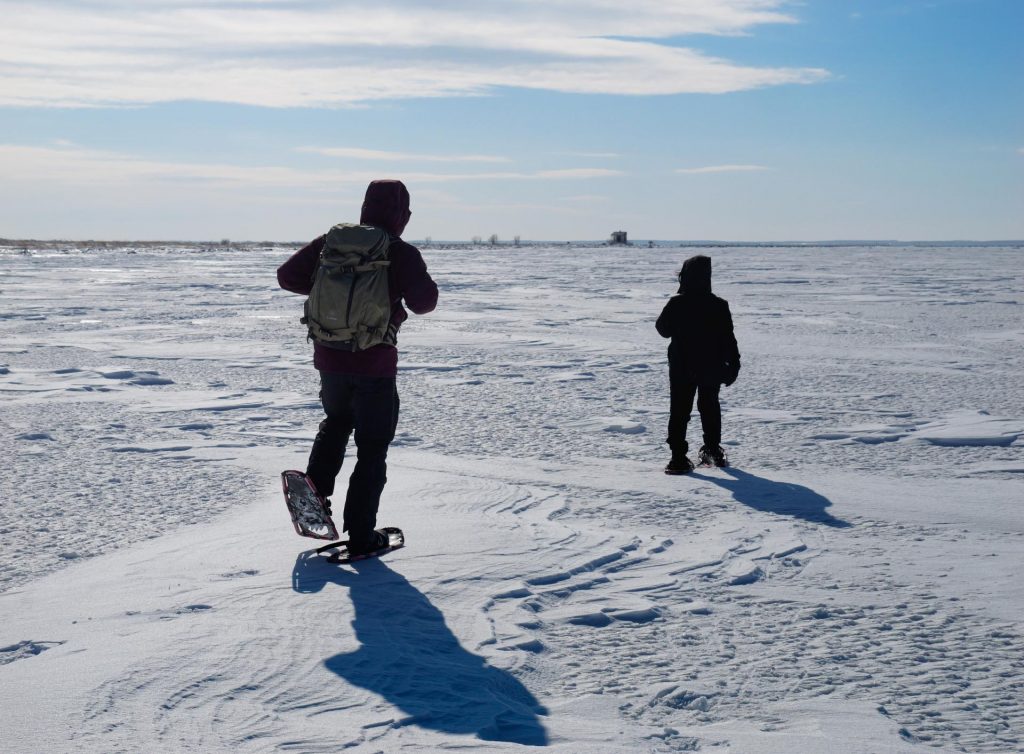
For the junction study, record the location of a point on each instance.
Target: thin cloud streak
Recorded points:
(593, 155)
(74, 166)
(578, 173)
(722, 169)
(304, 54)
(355, 153)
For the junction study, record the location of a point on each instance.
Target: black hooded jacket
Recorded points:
(703, 348)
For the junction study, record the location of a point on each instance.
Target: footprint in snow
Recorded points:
(25, 649)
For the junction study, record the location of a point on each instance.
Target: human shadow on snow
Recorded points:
(783, 498)
(410, 657)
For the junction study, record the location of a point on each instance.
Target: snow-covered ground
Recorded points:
(852, 584)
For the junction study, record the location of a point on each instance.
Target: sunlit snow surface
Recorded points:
(852, 584)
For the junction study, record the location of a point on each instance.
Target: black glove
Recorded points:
(732, 371)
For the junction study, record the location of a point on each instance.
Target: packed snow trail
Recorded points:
(741, 620)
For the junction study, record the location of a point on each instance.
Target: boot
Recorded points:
(713, 455)
(679, 464)
(375, 540)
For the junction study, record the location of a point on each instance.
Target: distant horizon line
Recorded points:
(440, 243)
(429, 242)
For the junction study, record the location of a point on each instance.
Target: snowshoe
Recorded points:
(380, 542)
(679, 465)
(713, 456)
(310, 512)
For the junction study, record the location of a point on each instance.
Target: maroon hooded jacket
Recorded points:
(386, 206)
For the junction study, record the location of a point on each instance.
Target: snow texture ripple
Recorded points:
(851, 584)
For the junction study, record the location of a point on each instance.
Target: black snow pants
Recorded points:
(681, 406)
(367, 406)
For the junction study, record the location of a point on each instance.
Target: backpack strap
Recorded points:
(327, 336)
(346, 338)
(365, 267)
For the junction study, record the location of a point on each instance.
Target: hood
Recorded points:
(386, 206)
(695, 277)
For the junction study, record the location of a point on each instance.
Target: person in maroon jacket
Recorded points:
(357, 388)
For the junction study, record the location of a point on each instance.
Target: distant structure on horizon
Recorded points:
(619, 238)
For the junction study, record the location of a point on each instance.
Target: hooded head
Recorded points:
(386, 206)
(695, 277)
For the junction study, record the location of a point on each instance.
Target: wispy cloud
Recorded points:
(593, 155)
(355, 153)
(69, 165)
(721, 169)
(311, 53)
(578, 173)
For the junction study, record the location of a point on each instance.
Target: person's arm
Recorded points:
(666, 321)
(732, 349)
(417, 287)
(296, 275)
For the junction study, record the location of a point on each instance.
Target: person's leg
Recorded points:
(710, 415)
(680, 408)
(375, 404)
(328, 453)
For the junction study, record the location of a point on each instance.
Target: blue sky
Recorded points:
(547, 119)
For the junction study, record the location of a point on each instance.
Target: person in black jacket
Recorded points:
(702, 356)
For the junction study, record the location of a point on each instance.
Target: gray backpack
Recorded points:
(349, 306)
